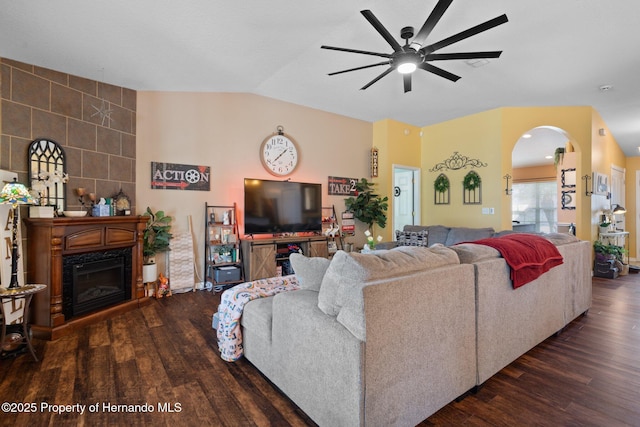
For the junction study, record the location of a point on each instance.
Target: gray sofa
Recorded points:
(447, 236)
(389, 338)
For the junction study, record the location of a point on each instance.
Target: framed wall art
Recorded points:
(568, 178)
(600, 184)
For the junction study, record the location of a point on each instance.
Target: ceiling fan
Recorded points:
(417, 54)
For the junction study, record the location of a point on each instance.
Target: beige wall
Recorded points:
(225, 131)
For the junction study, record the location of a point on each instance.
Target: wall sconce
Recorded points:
(507, 190)
(586, 179)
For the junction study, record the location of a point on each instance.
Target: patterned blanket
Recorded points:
(232, 304)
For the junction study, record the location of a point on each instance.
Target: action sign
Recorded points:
(173, 176)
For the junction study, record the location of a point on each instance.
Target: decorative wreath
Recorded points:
(441, 184)
(471, 181)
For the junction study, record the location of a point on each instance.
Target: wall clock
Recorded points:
(279, 153)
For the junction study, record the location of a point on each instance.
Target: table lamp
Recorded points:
(14, 194)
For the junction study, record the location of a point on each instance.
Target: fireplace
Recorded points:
(95, 280)
(99, 251)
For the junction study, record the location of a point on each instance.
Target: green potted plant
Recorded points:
(367, 206)
(604, 227)
(155, 239)
(558, 156)
(609, 257)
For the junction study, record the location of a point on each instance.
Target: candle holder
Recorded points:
(82, 193)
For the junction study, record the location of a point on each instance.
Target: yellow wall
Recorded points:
(490, 137)
(225, 131)
(477, 137)
(631, 186)
(398, 144)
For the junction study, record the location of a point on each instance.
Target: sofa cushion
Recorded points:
(560, 238)
(470, 252)
(437, 234)
(464, 234)
(412, 238)
(351, 270)
(257, 316)
(310, 271)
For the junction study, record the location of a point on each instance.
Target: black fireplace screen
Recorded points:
(95, 280)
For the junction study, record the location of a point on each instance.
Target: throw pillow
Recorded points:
(310, 271)
(412, 238)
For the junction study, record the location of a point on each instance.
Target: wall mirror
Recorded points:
(48, 173)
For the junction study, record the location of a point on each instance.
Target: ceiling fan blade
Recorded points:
(359, 68)
(390, 69)
(462, 55)
(406, 78)
(466, 34)
(381, 29)
(430, 23)
(439, 71)
(364, 52)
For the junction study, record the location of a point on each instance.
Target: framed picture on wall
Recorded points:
(568, 178)
(600, 184)
(569, 199)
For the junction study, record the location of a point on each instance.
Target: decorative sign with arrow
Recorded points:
(173, 176)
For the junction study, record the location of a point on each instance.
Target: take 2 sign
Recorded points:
(339, 186)
(174, 176)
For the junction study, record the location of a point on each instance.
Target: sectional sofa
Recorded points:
(389, 338)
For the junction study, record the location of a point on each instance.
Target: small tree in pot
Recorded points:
(367, 206)
(156, 235)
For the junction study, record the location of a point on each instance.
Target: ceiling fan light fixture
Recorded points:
(407, 67)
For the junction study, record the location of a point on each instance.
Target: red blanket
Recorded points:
(528, 255)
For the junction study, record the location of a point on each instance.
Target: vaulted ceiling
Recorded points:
(554, 53)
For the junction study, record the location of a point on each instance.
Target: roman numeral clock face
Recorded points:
(279, 155)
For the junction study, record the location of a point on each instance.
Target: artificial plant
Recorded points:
(156, 235)
(367, 206)
(609, 251)
(558, 156)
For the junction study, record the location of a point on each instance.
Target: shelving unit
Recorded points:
(222, 256)
(331, 229)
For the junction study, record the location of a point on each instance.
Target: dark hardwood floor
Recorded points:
(164, 355)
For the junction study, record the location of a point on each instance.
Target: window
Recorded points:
(536, 203)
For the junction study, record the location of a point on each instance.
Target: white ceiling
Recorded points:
(554, 53)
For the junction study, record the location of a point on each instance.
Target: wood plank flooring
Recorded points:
(165, 356)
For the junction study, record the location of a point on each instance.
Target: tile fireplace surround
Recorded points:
(49, 240)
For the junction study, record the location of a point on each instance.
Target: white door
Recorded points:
(618, 194)
(406, 197)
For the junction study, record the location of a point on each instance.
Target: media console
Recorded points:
(262, 257)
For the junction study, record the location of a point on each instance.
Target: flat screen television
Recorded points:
(272, 207)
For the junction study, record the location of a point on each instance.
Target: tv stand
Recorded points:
(262, 257)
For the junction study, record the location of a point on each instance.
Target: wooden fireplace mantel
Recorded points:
(50, 239)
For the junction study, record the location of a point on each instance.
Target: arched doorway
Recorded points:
(544, 167)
